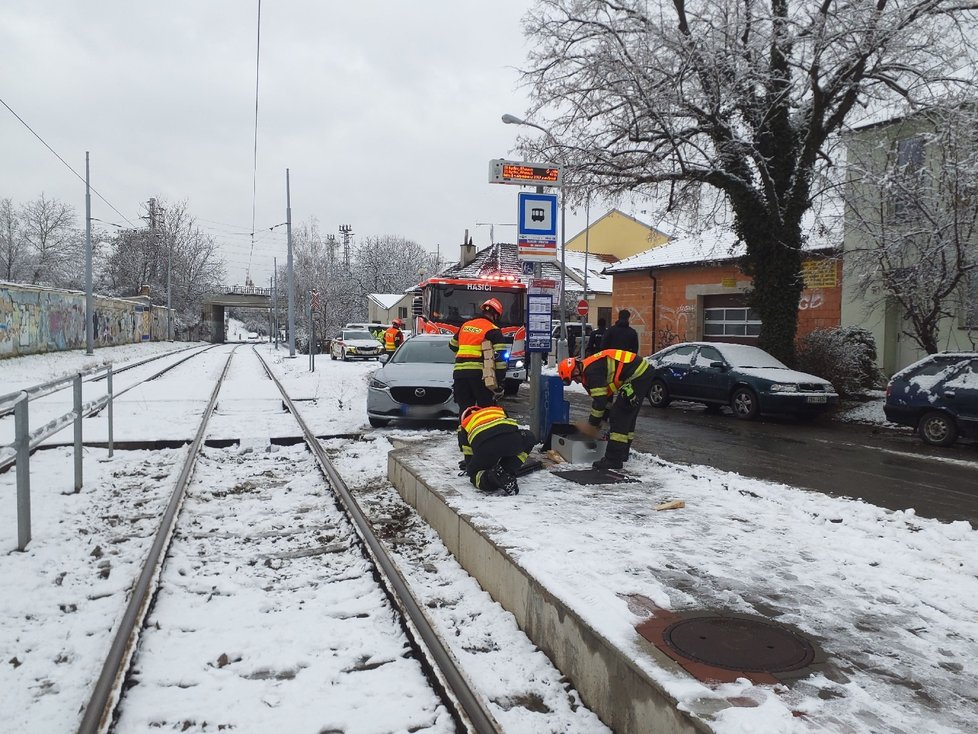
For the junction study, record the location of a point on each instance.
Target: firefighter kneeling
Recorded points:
(612, 374)
(499, 448)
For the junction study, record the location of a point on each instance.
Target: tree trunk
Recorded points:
(774, 262)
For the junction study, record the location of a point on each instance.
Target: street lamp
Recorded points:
(562, 342)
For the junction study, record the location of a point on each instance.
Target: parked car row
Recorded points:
(937, 396)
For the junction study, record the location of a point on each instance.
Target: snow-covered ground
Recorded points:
(891, 597)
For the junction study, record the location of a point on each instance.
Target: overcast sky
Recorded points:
(386, 114)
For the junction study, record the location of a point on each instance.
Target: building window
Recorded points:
(910, 164)
(739, 322)
(402, 312)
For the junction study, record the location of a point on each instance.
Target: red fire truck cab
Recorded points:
(447, 303)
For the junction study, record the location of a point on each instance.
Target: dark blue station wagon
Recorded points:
(937, 396)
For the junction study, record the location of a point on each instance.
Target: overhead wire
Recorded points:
(254, 173)
(66, 164)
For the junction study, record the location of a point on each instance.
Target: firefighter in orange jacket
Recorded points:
(480, 362)
(617, 382)
(498, 448)
(393, 337)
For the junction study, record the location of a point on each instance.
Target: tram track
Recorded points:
(338, 540)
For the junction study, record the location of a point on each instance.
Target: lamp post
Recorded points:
(562, 342)
(89, 298)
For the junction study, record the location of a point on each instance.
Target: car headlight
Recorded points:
(377, 384)
(784, 387)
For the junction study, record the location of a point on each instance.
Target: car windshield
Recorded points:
(352, 335)
(744, 356)
(424, 350)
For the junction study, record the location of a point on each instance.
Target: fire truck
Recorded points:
(447, 303)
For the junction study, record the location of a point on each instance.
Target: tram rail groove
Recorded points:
(468, 707)
(444, 674)
(106, 693)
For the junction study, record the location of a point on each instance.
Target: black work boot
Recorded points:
(504, 480)
(605, 463)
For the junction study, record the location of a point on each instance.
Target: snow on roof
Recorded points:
(709, 246)
(502, 259)
(386, 300)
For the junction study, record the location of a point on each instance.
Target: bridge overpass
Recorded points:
(237, 296)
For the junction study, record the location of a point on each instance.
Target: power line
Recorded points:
(254, 174)
(77, 175)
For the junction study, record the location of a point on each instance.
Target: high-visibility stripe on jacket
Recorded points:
(392, 339)
(483, 423)
(467, 345)
(605, 373)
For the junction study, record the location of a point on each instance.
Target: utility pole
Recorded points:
(291, 275)
(89, 299)
(346, 231)
(275, 297)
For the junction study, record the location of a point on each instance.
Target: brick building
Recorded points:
(691, 289)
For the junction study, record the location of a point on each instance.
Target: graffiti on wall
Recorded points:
(673, 324)
(35, 320)
(811, 300)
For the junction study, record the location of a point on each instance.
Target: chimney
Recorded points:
(468, 251)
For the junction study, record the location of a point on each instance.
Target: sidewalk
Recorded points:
(887, 600)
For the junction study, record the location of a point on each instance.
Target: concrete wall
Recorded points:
(681, 290)
(34, 320)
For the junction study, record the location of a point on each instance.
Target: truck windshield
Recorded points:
(453, 304)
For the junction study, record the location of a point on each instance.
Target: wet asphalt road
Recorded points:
(890, 468)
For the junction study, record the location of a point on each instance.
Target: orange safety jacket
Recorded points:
(484, 423)
(393, 338)
(467, 345)
(604, 374)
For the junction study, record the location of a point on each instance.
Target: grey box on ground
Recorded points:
(576, 448)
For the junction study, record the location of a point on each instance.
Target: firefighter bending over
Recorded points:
(393, 337)
(498, 448)
(480, 363)
(617, 382)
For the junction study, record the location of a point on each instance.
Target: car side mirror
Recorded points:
(719, 365)
(383, 358)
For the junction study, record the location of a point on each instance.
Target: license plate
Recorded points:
(817, 399)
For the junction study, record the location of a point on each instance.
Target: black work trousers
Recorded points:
(623, 416)
(509, 449)
(470, 390)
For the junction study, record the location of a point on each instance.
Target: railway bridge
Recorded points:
(238, 296)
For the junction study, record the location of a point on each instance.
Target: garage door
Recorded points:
(727, 318)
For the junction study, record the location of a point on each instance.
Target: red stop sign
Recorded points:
(582, 308)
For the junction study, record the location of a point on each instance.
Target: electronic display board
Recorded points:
(525, 174)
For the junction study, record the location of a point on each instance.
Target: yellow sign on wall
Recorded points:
(820, 274)
(728, 282)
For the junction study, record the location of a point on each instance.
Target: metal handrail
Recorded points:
(18, 453)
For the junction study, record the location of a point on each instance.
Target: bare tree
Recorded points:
(53, 243)
(743, 98)
(912, 216)
(13, 262)
(176, 246)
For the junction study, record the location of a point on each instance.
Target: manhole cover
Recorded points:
(749, 645)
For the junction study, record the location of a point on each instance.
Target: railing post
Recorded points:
(108, 380)
(78, 431)
(22, 441)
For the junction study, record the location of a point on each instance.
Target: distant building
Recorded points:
(385, 307)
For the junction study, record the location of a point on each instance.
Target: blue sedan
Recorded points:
(746, 378)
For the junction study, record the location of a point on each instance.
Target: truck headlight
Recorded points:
(516, 364)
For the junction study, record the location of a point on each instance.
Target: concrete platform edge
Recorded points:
(609, 682)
